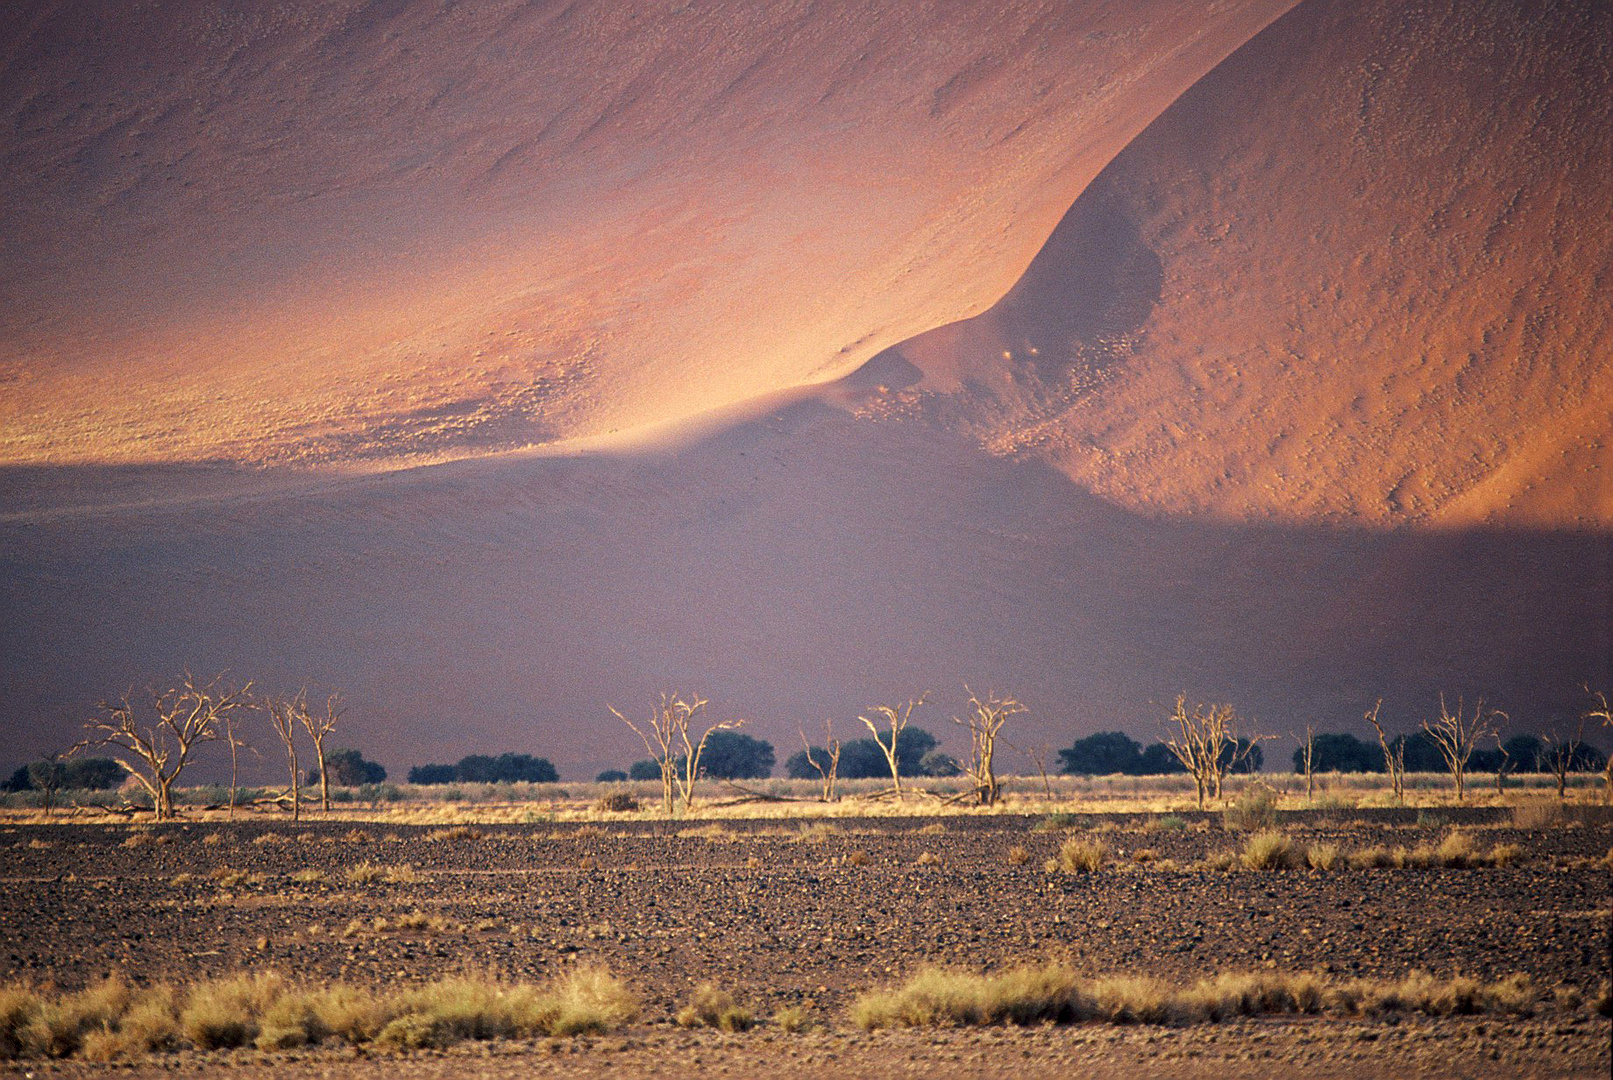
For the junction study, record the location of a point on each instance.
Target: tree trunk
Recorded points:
(324, 784)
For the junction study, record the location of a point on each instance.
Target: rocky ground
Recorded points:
(784, 914)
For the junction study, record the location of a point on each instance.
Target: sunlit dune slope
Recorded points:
(1362, 272)
(333, 231)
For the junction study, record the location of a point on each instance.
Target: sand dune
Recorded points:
(359, 231)
(1359, 273)
(1304, 401)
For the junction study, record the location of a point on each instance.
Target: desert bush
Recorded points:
(1271, 850)
(1254, 808)
(1323, 856)
(793, 1019)
(1081, 856)
(711, 1006)
(617, 802)
(1018, 856)
(1536, 815)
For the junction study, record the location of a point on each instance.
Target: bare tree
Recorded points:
(1206, 741)
(1601, 711)
(1503, 768)
(897, 717)
(233, 736)
(983, 725)
(1394, 754)
(1560, 754)
(1458, 734)
(319, 726)
(47, 775)
(666, 737)
(1038, 755)
(829, 768)
(1307, 757)
(285, 716)
(156, 751)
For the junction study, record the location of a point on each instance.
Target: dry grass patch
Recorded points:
(368, 873)
(935, 828)
(1078, 856)
(713, 1007)
(818, 833)
(111, 1022)
(310, 876)
(1053, 993)
(713, 832)
(458, 834)
(1271, 850)
(793, 1019)
(927, 858)
(1018, 855)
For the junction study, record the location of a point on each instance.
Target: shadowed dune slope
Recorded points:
(1359, 273)
(379, 230)
(804, 564)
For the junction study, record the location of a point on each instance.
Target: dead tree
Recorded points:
(285, 716)
(156, 751)
(1560, 755)
(1601, 711)
(666, 737)
(1038, 755)
(1394, 754)
(1206, 741)
(984, 725)
(1307, 758)
(1503, 768)
(318, 727)
(233, 736)
(1458, 734)
(829, 769)
(897, 718)
(47, 776)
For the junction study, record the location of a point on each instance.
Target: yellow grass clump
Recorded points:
(112, 1022)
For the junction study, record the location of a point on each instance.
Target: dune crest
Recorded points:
(1359, 273)
(353, 232)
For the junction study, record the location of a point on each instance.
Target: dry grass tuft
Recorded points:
(1054, 994)
(927, 858)
(1537, 815)
(110, 1022)
(818, 833)
(1324, 856)
(1018, 856)
(1078, 856)
(1271, 850)
(368, 873)
(458, 834)
(934, 828)
(714, 1007)
(793, 1019)
(310, 876)
(270, 839)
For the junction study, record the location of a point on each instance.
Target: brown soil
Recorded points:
(782, 921)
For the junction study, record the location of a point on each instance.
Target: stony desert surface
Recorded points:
(786, 913)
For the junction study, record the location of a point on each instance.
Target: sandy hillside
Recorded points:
(1217, 471)
(370, 230)
(1360, 273)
